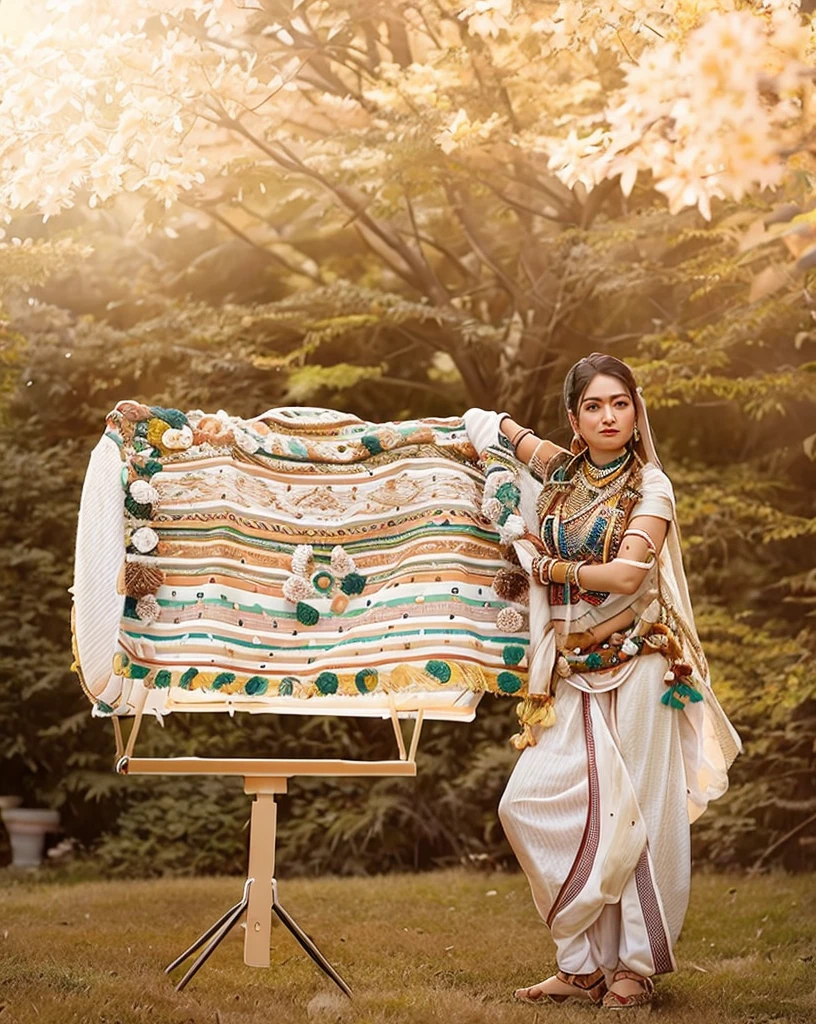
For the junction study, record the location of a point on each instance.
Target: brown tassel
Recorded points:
(511, 585)
(141, 579)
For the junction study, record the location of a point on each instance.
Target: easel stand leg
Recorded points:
(260, 898)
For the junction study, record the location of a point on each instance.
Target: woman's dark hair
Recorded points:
(579, 376)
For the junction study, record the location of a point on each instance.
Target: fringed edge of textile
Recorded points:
(535, 710)
(436, 674)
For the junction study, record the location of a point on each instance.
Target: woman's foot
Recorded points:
(628, 989)
(561, 987)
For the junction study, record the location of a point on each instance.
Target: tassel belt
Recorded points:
(651, 638)
(644, 638)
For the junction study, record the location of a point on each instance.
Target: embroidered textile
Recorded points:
(301, 554)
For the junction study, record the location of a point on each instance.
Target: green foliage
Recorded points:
(207, 324)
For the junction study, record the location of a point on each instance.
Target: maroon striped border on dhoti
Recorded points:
(652, 918)
(585, 859)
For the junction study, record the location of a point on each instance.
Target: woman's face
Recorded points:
(606, 414)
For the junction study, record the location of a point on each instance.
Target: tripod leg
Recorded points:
(308, 944)
(231, 920)
(199, 942)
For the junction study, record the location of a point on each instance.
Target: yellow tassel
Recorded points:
(533, 710)
(523, 739)
(537, 710)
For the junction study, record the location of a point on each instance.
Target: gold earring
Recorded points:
(636, 434)
(577, 444)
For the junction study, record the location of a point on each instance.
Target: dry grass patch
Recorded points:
(442, 948)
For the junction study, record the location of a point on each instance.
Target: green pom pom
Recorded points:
(223, 679)
(306, 614)
(187, 678)
(439, 670)
(594, 660)
(138, 671)
(366, 679)
(372, 442)
(507, 682)
(102, 708)
(327, 682)
(353, 583)
(323, 581)
(508, 494)
(512, 654)
(137, 509)
(149, 468)
(129, 610)
(162, 679)
(287, 685)
(173, 417)
(256, 686)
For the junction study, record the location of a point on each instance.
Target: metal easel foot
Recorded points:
(216, 933)
(307, 942)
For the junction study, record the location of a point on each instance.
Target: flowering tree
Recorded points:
(458, 143)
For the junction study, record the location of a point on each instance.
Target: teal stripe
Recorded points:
(326, 647)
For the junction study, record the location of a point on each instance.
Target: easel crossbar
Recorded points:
(261, 767)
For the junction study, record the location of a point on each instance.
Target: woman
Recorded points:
(631, 743)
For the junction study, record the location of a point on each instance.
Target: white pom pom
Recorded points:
(629, 648)
(301, 557)
(144, 539)
(512, 528)
(510, 620)
(143, 492)
(177, 439)
(492, 509)
(341, 562)
(148, 609)
(296, 588)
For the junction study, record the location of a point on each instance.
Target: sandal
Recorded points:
(586, 986)
(616, 1001)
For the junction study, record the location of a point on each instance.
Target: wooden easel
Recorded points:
(265, 779)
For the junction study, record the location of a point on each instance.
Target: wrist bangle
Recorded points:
(520, 435)
(541, 568)
(572, 574)
(558, 571)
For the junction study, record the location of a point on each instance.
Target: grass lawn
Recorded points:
(447, 947)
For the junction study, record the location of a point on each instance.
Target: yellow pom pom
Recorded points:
(155, 433)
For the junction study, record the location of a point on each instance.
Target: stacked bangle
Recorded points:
(571, 574)
(555, 570)
(518, 437)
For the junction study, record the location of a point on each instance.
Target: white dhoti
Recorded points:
(597, 816)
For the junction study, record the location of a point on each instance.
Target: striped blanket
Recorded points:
(301, 559)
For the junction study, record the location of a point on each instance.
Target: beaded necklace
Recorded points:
(583, 512)
(600, 475)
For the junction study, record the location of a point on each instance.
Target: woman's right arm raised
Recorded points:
(529, 444)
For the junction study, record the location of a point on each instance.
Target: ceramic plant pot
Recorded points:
(27, 828)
